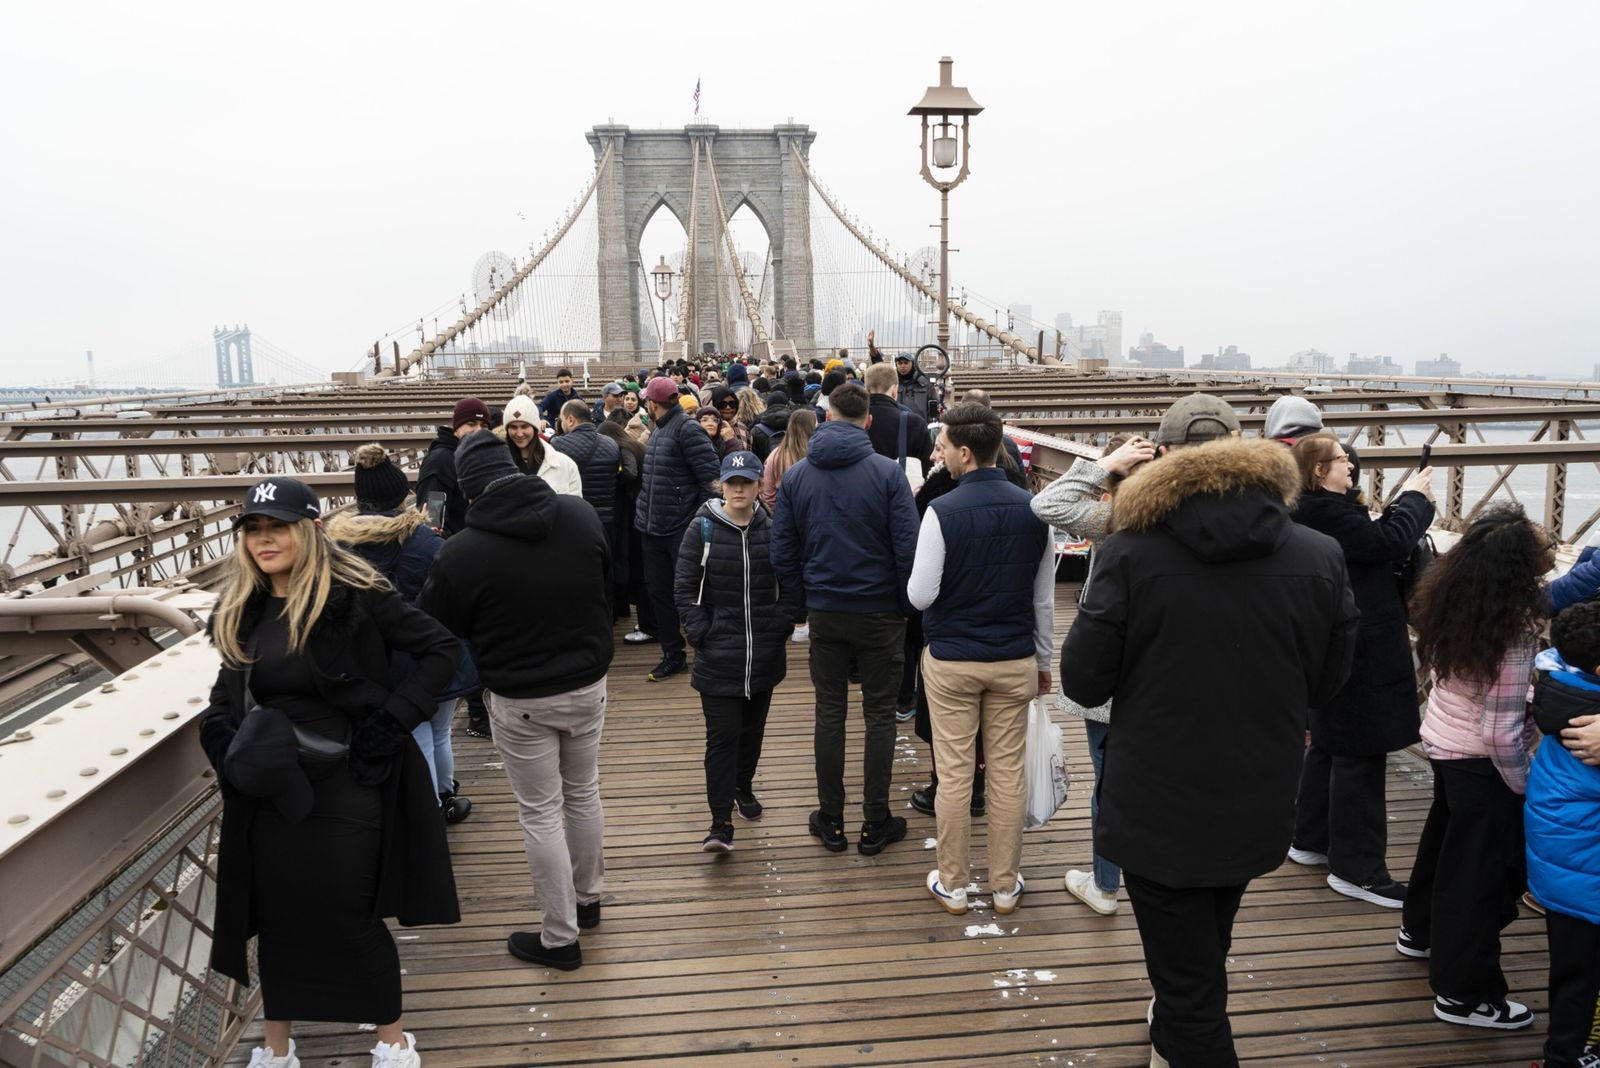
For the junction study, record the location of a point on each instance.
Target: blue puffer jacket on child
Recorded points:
(1562, 814)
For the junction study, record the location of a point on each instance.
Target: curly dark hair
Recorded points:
(1481, 597)
(1576, 635)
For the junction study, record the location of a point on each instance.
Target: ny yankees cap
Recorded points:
(287, 499)
(741, 465)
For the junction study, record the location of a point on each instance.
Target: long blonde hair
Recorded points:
(796, 440)
(750, 406)
(318, 564)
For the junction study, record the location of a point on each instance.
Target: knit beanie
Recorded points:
(1292, 417)
(469, 408)
(738, 376)
(482, 460)
(380, 485)
(523, 410)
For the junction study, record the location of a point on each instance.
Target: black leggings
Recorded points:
(735, 727)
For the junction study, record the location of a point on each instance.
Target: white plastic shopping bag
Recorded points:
(1046, 767)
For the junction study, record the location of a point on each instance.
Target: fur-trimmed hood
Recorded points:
(375, 528)
(1225, 500)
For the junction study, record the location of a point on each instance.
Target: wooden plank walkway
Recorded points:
(784, 954)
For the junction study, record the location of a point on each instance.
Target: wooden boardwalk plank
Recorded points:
(783, 954)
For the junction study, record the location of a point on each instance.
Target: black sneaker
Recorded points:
(874, 836)
(589, 915)
(478, 723)
(922, 800)
(1500, 1015)
(525, 945)
(456, 807)
(1408, 945)
(667, 668)
(1385, 892)
(831, 830)
(749, 808)
(719, 839)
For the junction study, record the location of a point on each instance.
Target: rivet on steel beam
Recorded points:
(176, 652)
(109, 687)
(18, 818)
(130, 678)
(170, 715)
(192, 641)
(87, 772)
(146, 733)
(51, 720)
(197, 700)
(24, 736)
(153, 664)
(82, 704)
(56, 795)
(119, 751)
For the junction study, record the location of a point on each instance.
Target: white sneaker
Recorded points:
(396, 1054)
(1006, 903)
(262, 1057)
(1080, 884)
(954, 901)
(638, 637)
(1499, 1015)
(1307, 857)
(802, 633)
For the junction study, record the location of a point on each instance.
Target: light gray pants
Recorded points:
(551, 748)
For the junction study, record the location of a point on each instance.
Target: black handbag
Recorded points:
(320, 756)
(1408, 574)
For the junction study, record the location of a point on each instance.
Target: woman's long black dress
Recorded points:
(322, 954)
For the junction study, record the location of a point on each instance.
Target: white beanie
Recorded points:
(1289, 417)
(522, 409)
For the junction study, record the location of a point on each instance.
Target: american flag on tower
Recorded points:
(697, 96)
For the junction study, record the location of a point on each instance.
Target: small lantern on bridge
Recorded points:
(944, 103)
(662, 275)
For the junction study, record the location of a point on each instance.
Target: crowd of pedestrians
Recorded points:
(1241, 659)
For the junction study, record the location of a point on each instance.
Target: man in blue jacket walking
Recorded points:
(845, 530)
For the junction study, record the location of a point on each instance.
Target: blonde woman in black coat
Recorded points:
(330, 822)
(1341, 817)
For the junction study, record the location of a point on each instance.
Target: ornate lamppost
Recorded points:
(943, 104)
(662, 275)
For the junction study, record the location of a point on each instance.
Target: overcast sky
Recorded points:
(1389, 178)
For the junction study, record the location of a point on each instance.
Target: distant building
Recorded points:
(1103, 341)
(1443, 367)
(1228, 359)
(1372, 365)
(1312, 362)
(1153, 355)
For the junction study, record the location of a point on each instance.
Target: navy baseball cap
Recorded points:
(741, 465)
(287, 499)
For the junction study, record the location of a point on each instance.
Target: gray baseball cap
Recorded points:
(1196, 418)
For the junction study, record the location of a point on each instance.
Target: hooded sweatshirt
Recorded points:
(528, 584)
(845, 525)
(437, 474)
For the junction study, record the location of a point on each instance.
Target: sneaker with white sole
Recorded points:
(638, 637)
(953, 901)
(397, 1054)
(1006, 903)
(1408, 945)
(1500, 1015)
(262, 1057)
(1081, 885)
(1385, 892)
(1307, 857)
(802, 633)
(1156, 1059)
(905, 714)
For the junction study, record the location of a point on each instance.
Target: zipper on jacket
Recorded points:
(749, 637)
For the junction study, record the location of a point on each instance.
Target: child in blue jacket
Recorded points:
(1562, 821)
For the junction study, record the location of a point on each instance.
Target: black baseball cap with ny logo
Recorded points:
(287, 499)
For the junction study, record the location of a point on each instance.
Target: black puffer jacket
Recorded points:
(1213, 624)
(734, 613)
(599, 461)
(437, 474)
(525, 549)
(1377, 711)
(680, 470)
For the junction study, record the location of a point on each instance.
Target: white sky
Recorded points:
(1390, 178)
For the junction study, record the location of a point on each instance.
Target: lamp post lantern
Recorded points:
(661, 274)
(943, 104)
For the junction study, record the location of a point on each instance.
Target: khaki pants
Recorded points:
(965, 696)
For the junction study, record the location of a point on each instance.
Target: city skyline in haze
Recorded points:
(1402, 180)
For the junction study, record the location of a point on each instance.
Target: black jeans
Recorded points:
(877, 642)
(1470, 871)
(1186, 933)
(734, 729)
(660, 564)
(1342, 811)
(1574, 987)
